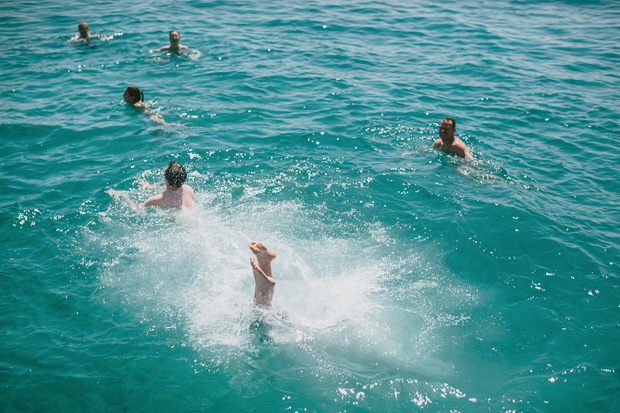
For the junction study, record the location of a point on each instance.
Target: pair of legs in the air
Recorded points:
(263, 278)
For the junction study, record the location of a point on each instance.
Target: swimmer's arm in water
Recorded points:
(458, 147)
(155, 118)
(461, 150)
(125, 196)
(156, 200)
(153, 115)
(190, 191)
(467, 156)
(145, 185)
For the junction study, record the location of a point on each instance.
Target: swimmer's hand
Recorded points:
(124, 195)
(143, 184)
(118, 194)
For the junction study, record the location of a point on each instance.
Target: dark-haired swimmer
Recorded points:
(263, 278)
(447, 142)
(177, 194)
(135, 98)
(175, 37)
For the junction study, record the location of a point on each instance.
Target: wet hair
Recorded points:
(175, 175)
(82, 24)
(449, 119)
(135, 93)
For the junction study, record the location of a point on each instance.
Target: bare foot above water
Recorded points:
(264, 282)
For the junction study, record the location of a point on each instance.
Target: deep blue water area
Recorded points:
(407, 279)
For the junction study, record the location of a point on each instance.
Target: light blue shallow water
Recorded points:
(410, 280)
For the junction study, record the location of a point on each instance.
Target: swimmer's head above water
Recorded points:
(175, 175)
(133, 95)
(177, 195)
(83, 29)
(449, 143)
(174, 46)
(447, 128)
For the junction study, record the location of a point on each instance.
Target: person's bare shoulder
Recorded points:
(191, 197)
(157, 200)
(460, 148)
(189, 190)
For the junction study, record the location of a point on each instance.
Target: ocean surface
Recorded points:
(407, 279)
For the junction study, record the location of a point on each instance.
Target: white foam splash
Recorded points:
(343, 300)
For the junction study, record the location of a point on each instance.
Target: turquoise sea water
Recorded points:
(409, 279)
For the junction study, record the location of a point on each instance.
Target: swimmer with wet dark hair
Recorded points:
(133, 95)
(263, 278)
(449, 143)
(174, 46)
(177, 194)
(135, 98)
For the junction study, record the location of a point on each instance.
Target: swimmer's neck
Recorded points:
(448, 140)
(171, 189)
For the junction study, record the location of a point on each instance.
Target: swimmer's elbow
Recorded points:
(134, 205)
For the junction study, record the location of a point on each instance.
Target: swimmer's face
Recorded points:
(446, 129)
(174, 37)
